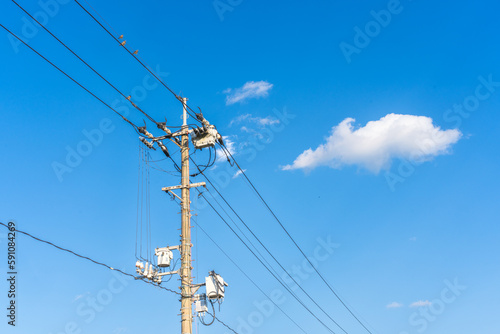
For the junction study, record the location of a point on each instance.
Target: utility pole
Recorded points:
(203, 137)
(186, 296)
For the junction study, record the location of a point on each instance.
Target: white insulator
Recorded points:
(150, 271)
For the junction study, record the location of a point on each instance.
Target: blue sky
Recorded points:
(389, 155)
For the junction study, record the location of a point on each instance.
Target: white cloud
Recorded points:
(239, 119)
(394, 305)
(420, 303)
(238, 173)
(268, 121)
(260, 121)
(375, 145)
(250, 90)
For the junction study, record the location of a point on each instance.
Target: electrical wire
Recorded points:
(213, 316)
(248, 277)
(175, 164)
(208, 165)
(158, 168)
(279, 281)
(141, 203)
(87, 258)
(222, 323)
(298, 247)
(273, 257)
(84, 62)
(226, 150)
(135, 127)
(71, 78)
(90, 67)
(139, 168)
(148, 211)
(100, 16)
(144, 232)
(243, 233)
(188, 108)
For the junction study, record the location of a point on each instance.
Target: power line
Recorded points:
(86, 258)
(287, 288)
(90, 67)
(88, 4)
(269, 252)
(67, 75)
(288, 274)
(136, 58)
(151, 119)
(220, 321)
(239, 229)
(248, 277)
(298, 247)
(83, 61)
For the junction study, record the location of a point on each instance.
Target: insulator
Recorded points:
(142, 129)
(163, 148)
(200, 117)
(219, 139)
(145, 142)
(163, 126)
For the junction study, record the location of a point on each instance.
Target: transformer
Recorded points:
(215, 286)
(165, 256)
(205, 137)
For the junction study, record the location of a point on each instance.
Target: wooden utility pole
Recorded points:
(215, 287)
(185, 274)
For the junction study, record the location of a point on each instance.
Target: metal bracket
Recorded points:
(199, 297)
(196, 287)
(192, 185)
(173, 194)
(181, 132)
(168, 273)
